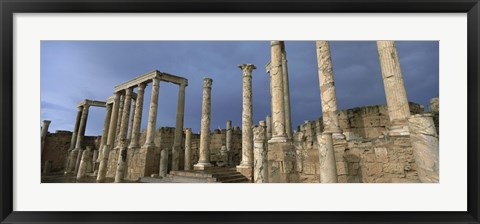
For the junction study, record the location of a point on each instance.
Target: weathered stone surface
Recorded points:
(188, 149)
(177, 142)
(328, 166)
(286, 94)
(247, 114)
(277, 92)
(281, 162)
(137, 120)
(204, 159)
(260, 172)
(122, 156)
(86, 163)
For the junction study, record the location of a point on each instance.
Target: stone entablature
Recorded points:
(148, 77)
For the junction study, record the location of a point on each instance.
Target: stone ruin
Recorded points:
(393, 143)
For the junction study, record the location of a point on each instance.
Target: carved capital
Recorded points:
(207, 82)
(247, 69)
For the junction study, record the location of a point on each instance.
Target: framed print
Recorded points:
(258, 112)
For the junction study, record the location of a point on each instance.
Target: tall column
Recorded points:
(177, 141)
(152, 115)
(247, 122)
(397, 101)
(44, 133)
(188, 149)
(81, 134)
(204, 152)
(276, 87)
(106, 126)
(260, 173)
(137, 120)
(132, 117)
(424, 138)
(71, 154)
(122, 155)
(268, 120)
(286, 94)
(102, 169)
(119, 121)
(328, 166)
(327, 89)
(228, 143)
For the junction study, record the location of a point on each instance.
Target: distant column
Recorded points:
(276, 86)
(397, 101)
(71, 158)
(247, 121)
(137, 121)
(327, 89)
(260, 173)
(102, 169)
(228, 143)
(204, 154)
(152, 115)
(122, 154)
(188, 149)
(177, 141)
(328, 166)
(81, 134)
(424, 138)
(286, 94)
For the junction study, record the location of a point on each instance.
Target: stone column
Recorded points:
(188, 149)
(102, 169)
(228, 143)
(132, 117)
(247, 123)
(163, 169)
(106, 126)
(177, 141)
(81, 134)
(122, 154)
(397, 101)
(268, 120)
(71, 154)
(152, 115)
(204, 151)
(86, 159)
(434, 109)
(424, 138)
(260, 173)
(328, 166)
(276, 87)
(137, 120)
(44, 133)
(119, 121)
(286, 93)
(327, 90)
(94, 161)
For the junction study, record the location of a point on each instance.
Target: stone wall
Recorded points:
(56, 148)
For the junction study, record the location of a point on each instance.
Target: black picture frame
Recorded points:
(9, 7)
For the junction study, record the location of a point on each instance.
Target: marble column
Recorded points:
(424, 138)
(44, 133)
(204, 151)
(106, 126)
(177, 141)
(276, 87)
(102, 168)
(397, 101)
(152, 115)
(86, 159)
(122, 154)
(132, 117)
(328, 165)
(260, 173)
(247, 122)
(228, 143)
(286, 94)
(188, 149)
(71, 155)
(137, 120)
(268, 120)
(81, 134)
(327, 90)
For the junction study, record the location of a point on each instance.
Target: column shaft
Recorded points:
(260, 173)
(132, 117)
(137, 120)
(177, 141)
(276, 86)
(152, 114)
(204, 152)
(328, 165)
(81, 134)
(71, 157)
(228, 143)
(44, 133)
(247, 114)
(106, 126)
(119, 120)
(188, 149)
(122, 155)
(286, 94)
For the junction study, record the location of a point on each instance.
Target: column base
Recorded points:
(398, 130)
(246, 170)
(202, 166)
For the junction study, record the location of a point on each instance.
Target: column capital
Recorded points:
(156, 81)
(273, 43)
(47, 121)
(142, 86)
(207, 82)
(247, 69)
(129, 91)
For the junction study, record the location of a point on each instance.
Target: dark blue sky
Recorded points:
(72, 71)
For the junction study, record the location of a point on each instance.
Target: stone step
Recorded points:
(228, 177)
(242, 179)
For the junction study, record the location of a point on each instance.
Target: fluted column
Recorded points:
(106, 126)
(247, 122)
(188, 149)
(81, 134)
(102, 169)
(327, 89)
(276, 87)
(177, 141)
(397, 101)
(228, 143)
(260, 173)
(137, 120)
(122, 155)
(204, 157)
(328, 166)
(71, 158)
(152, 115)
(424, 138)
(286, 94)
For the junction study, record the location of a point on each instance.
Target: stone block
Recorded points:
(374, 169)
(381, 154)
(342, 168)
(394, 168)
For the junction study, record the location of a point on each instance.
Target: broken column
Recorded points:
(177, 141)
(81, 134)
(102, 168)
(122, 154)
(85, 162)
(286, 94)
(188, 149)
(163, 169)
(246, 165)
(424, 138)
(326, 153)
(228, 143)
(327, 89)
(260, 173)
(137, 120)
(397, 101)
(72, 155)
(204, 152)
